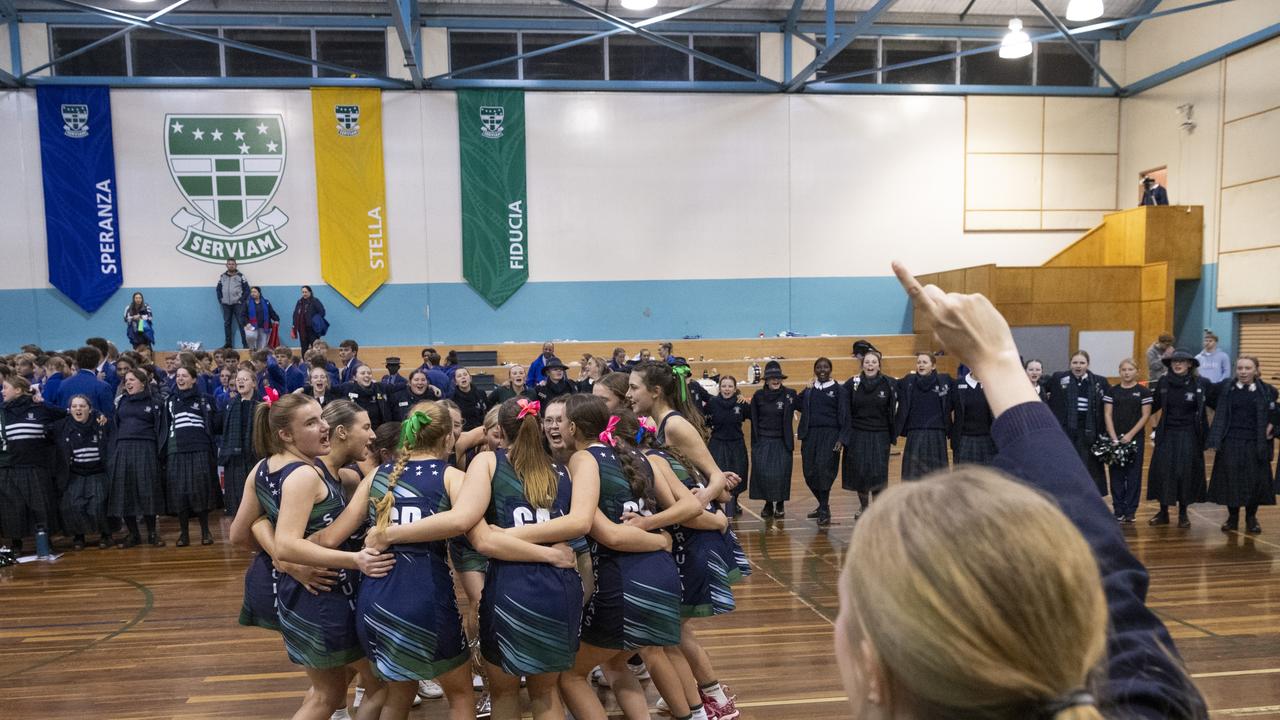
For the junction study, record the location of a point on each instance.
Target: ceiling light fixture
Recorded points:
(1084, 10)
(1016, 44)
(639, 4)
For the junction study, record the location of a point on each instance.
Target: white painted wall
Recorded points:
(1164, 42)
(710, 186)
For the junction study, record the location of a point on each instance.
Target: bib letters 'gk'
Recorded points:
(495, 219)
(351, 190)
(81, 215)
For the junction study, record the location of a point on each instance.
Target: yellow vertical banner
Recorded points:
(351, 190)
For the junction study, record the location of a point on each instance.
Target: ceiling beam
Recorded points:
(833, 49)
(8, 80)
(103, 41)
(1075, 44)
(1145, 7)
(408, 24)
(1202, 60)
(668, 42)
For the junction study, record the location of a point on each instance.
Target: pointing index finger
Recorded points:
(910, 284)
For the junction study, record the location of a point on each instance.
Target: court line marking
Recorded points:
(785, 586)
(148, 602)
(1234, 673)
(1251, 538)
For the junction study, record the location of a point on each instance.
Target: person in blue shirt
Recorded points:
(536, 374)
(85, 382)
(295, 373)
(348, 353)
(1153, 193)
(394, 380)
(1215, 365)
(260, 315)
(105, 369)
(1022, 606)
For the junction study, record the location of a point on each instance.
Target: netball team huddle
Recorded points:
(584, 531)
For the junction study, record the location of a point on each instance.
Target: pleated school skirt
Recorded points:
(925, 451)
(770, 470)
(1176, 475)
(975, 449)
(136, 485)
(865, 465)
(26, 500)
(84, 504)
(191, 481)
(1241, 475)
(819, 460)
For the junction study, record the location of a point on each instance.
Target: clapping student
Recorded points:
(873, 401)
(1179, 404)
(772, 441)
(191, 475)
(82, 440)
(924, 418)
(824, 419)
(1076, 398)
(725, 414)
(1243, 434)
(1126, 410)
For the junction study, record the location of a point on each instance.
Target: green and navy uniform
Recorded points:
(408, 620)
(636, 602)
(319, 630)
(261, 580)
(530, 613)
(700, 557)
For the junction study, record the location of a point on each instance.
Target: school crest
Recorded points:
(348, 119)
(227, 167)
(75, 120)
(491, 117)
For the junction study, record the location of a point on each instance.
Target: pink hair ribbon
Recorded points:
(528, 407)
(606, 436)
(647, 425)
(270, 395)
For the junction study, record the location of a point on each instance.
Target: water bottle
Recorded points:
(43, 550)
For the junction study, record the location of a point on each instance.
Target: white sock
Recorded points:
(715, 692)
(699, 714)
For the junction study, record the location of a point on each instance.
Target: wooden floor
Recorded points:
(152, 633)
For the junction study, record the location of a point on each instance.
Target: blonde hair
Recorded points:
(430, 437)
(1127, 361)
(990, 610)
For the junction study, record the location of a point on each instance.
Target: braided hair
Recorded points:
(424, 430)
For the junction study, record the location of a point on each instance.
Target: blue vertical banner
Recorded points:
(81, 200)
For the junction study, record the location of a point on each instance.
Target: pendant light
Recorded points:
(1084, 10)
(1016, 44)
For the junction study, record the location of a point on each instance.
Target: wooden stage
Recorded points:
(152, 633)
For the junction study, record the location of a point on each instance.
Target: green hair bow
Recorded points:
(682, 373)
(412, 424)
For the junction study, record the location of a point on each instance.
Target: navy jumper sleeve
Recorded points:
(1144, 675)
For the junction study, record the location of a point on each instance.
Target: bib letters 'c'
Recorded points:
(495, 218)
(81, 207)
(351, 190)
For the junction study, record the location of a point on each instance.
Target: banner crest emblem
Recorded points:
(348, 119)
(491, 117)
(228, 167)
(75, 120)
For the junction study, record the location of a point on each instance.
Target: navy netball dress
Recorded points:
(319, 630)
(636, 602)
(530, 613)
(409, 624)
(703, 558)
(261, 579)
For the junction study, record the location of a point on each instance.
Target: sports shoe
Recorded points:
(417, 700)
(430, 689)
(717, 711)
(477, 682)
(340, 714)
(663, 707)
(484, 708)
(598, 677)
(640, 671)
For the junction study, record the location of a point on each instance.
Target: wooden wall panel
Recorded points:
(1112, 316)
(1013, 285)
(1155, 281)
(1016, 313)
(980, 279)
(1175, 233)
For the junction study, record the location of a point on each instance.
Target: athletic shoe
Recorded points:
(359, 696)
(640, 671)
(417, 700)
(663, 707)
(430, 689)
(340, 715)
(598, 677)
(813, 515)
(484, 708)
(477, 682)
(716, 711)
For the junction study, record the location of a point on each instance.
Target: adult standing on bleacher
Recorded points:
(537, 368)
(232, 290)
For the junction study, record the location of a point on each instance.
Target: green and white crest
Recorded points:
(228, 167)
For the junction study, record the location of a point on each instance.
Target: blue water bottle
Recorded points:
(42, 543)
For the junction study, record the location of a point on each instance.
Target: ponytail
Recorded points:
(674, 389)
(519, 421)
(424, 430)
(269, 418)
(634, 464)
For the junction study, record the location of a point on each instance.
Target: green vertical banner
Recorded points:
(495, 219)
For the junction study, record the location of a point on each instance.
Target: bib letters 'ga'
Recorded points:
(351, 190)
(81, 207)
(495, 219)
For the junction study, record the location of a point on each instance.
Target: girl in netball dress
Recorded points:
(636, 602)
(530, 612)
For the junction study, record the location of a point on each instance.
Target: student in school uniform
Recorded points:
(191, 476)
(872, 397)
(824, 419)
(469, 398)
(417, 390)
(1126, 410)
(1243, 435)
(1179, 407)
(924, 418)
(1035, 373)
(555, 383)
(971, 428)
(295, 371)
(234, 425)
(393, 380)
(773, 409)
(369, 395)
(85, 382)
(514, 387)
(725, 413)
(26, 488)
(318, 387)
(80, 468)
(1076, 399)
(136, 469)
